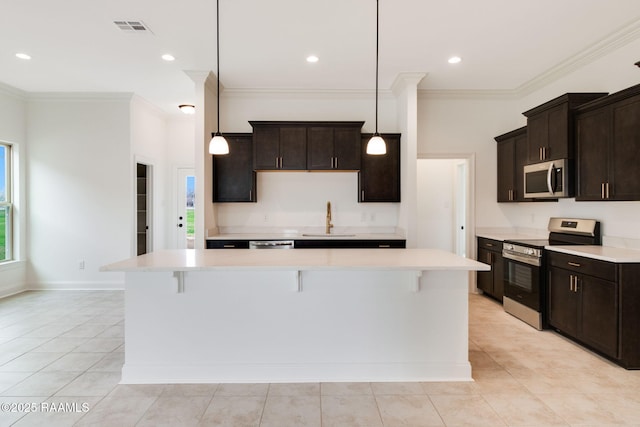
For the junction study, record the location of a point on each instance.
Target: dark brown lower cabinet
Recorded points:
(491, 282)
(596, 303)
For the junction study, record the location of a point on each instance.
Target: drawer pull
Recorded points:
(228, 246)
(490, 245)
(574, 264)
(384, 246)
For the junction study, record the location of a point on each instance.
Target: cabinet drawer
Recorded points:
(592, 267)
(227, 244)
(490, 244)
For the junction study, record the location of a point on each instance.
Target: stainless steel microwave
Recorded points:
(548, 180)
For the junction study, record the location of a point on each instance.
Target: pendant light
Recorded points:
(376, 144)
(218, 145)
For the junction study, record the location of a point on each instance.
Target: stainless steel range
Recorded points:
(525, 278)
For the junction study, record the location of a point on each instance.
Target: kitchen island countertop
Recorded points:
(308, 259)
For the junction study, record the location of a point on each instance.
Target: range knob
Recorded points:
(530, 251)
(507, 246)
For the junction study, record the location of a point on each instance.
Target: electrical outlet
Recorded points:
(81, 265)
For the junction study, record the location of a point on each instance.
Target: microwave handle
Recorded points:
(550, 184)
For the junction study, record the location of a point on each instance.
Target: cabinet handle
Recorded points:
(384, 246)
(228, 246)
(574, 264)
(250, 194)
(571, 282)
(607, 190)
(362, 195)
(277, 162)
(602, 190)
(336, 162)
(575, 284)
(489, 258)
(281, 163)
(490, 245)
(539, 153)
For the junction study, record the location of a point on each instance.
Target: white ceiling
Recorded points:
(505, 44)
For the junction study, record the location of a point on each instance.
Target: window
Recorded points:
(5, 202)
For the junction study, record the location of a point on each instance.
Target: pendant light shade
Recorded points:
(376, 145)
(218, 145)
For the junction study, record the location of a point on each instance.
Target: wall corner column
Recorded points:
(405, 89)
(205, 103)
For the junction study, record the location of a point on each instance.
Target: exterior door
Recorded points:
(185, 212)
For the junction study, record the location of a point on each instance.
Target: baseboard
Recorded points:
(76, 286)
(11, 290)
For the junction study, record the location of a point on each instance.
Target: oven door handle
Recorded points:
(523, 259)
(551, 185)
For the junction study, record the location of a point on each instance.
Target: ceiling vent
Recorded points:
(133, 26)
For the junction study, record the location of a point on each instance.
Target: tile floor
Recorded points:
(64, 350)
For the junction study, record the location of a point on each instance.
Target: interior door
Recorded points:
(185, 208)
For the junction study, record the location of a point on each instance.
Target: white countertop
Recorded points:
(309, 236)
(604, 253)
(297, 259)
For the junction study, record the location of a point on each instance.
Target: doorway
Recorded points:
(185, 208)
(444, 204)
(143, 208)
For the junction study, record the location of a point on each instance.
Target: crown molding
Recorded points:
(80, 96)
(468, 94)
(600, 48)
(292, 93)
(5, 89)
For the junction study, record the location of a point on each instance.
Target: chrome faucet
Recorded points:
(328, 224)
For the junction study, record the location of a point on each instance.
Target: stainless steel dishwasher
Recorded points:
(271, 244)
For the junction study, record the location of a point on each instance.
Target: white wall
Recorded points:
(13, 129)
(148, 143)
(297, 200)
(79, 189)
(468, 124)
(436, 203)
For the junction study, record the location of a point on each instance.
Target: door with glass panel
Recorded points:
(5, 203)
(185, 215)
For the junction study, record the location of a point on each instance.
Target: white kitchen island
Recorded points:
(308, 315)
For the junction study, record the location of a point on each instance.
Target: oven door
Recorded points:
(522, 283)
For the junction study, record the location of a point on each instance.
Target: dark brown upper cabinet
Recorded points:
(550, 127)
(234, 179)
(512, 156)
(279, 146)
(608, 147)
(334, 146)
(379, 176)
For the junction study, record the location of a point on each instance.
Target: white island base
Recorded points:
(228, 324)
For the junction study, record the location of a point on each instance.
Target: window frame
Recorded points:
(8, 203)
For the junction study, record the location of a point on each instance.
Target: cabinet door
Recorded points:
(320, 151)
(379, 176)
(598, 316)
(592, 153)
(293, 148)
(537, 136)
(498, 275)
(346, 148)
(506, 168)
(520, 143)
(563, 301)
(624, 183)
(234, 179)
(266, 145)
(558, 133)
(484, 279)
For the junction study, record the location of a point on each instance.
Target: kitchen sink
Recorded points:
(328, 235)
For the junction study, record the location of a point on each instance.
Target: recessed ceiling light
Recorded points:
(168, 57)
(454, 60)
(23, 56)
(312, 58)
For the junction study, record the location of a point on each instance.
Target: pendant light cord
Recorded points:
(218, 64)
(377, 31)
